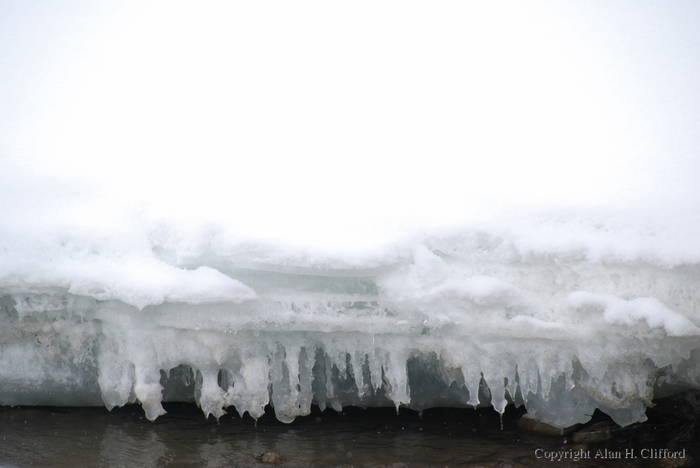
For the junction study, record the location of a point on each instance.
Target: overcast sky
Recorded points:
(326, 116)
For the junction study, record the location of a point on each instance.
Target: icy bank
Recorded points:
(471, 318)
(383, 203)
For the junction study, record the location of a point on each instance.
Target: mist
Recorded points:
(347, 126)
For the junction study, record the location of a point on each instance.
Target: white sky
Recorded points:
(319, 120)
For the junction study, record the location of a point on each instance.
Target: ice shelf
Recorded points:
(469, 320)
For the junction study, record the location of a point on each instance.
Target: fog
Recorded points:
(347, 125)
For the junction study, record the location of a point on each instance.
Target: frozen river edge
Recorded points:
(562, 338)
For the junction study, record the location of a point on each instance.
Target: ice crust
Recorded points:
(466, 319)
(472, 203)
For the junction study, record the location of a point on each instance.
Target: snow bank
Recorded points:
(470, 318)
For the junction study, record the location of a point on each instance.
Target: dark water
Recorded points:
(93, 437)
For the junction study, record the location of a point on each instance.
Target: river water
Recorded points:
(94, 437)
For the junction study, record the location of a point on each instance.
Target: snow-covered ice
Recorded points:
(423, 324)
(436, 205)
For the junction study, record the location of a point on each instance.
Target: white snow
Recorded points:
(316, 203)
(621, 312)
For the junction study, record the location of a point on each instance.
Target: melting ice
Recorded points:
(382, 204)
(473, 317)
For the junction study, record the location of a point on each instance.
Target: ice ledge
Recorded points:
(90, 353)
(447, 327)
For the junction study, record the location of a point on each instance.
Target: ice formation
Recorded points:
(383, 203)
(466, 319)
